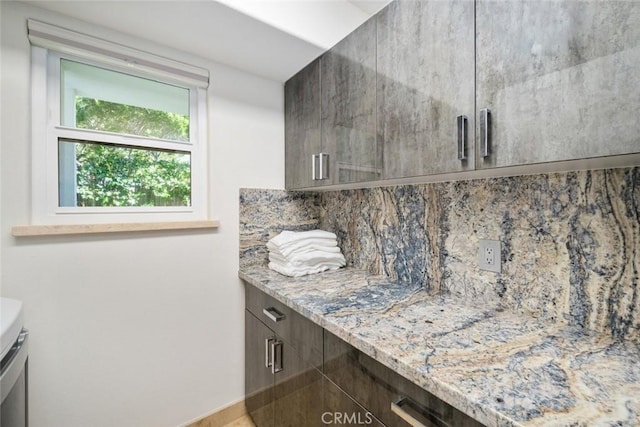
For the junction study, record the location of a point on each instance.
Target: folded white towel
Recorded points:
(310, 259)
(305, 268)
(288, 237)
(310, 248)
(299, 253)
(298, 271)
(319, 244)
(291, 270)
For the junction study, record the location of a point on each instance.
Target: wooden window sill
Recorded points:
(57, 230)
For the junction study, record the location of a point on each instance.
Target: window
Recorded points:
(116, 138)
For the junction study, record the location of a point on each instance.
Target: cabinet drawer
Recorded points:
(294, 329)
(340, 409)
(375, 387)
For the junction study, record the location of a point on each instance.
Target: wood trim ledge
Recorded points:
(56, 230)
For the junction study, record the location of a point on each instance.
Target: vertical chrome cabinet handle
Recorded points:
(273, 314)
(324, 166)
(313, 167)
(462, 137)
(485, 131)
(267, 353)
(276, 351)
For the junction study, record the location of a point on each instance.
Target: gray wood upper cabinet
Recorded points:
(426, 77)
(302, 125)
(348, 93)
(330, 108)
(561, 79)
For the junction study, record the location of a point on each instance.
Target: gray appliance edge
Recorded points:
(14, 384)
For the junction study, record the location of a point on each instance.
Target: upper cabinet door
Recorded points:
(302, 126)
(561, 79)
(348, 85)
(425, 81)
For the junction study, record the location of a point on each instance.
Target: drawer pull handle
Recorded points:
(410, 411)
(273, 314)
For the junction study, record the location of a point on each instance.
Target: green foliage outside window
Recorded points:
(120, 118)
(109, 175)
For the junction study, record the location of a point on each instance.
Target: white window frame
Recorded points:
(47, 129)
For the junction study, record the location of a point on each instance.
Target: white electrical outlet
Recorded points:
(489, 255)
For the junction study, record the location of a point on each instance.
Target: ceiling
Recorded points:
(270, 38)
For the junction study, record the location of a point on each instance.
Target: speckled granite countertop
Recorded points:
(498, 367)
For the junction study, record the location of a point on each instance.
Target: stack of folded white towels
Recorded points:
(305, 252)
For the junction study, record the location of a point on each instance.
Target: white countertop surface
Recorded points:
(10, 322)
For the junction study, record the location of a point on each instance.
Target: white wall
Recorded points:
(140, 329)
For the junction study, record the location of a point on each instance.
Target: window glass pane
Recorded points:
(120, 118)
(94, 174)
(100, 99)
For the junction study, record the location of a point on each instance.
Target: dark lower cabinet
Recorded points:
(342, 410)
(296, 392)
(259, 381)
(299, 375)
(283, 359)
(393, 399)
(294, 329)
(286, 394)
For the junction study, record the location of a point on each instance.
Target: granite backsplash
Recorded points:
(570, 241)
(265, 213)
